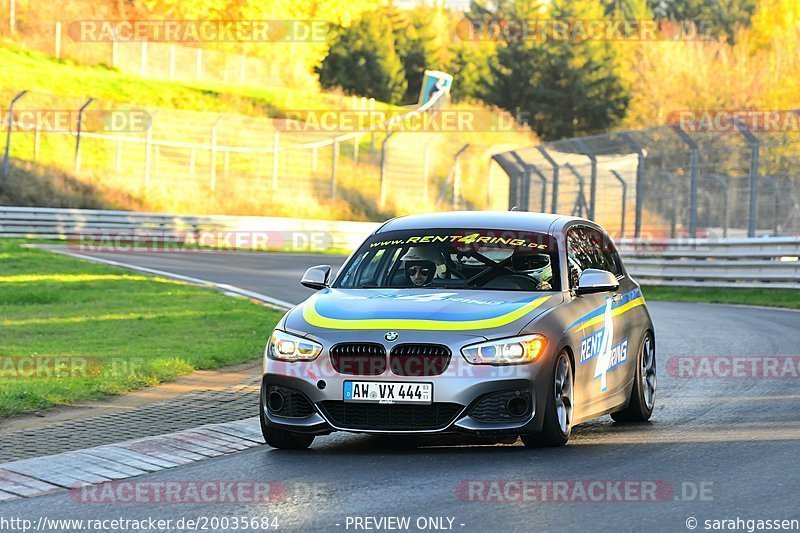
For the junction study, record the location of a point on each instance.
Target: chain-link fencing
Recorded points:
(184, 161)
(736, 179)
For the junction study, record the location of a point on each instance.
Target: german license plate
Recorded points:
(388, 392)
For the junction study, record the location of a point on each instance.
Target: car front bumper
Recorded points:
(467, 399)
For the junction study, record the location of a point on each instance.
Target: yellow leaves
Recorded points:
(760, 71)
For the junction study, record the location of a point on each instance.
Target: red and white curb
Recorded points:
(69, 470)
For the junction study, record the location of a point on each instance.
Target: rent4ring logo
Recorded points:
(599, 345)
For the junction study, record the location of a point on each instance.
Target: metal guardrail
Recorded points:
(104, 228)
(770, 262)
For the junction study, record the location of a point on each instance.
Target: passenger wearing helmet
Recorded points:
(422, 264)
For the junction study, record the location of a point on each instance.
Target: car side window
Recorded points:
(577, 260)
(603, 255)
(365, 268)
(589, 248)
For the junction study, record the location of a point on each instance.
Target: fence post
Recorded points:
(334, 162)
(776, 207)
(724, 187)
(624, 196)
(489, 183)
(36, 133)
(455, 175)
(554, 165)
(514, 178)
(382, 185)
(78, 130)
(10, 126)
(524, 200)
(640, 170)
(593, 179)
(275, 150)
(355, 148)
(580, 200)
(693, 162)
(754, 144)
(57, 40)
(543, 178)
(148, 142)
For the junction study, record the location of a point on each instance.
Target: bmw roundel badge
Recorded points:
(391, 336)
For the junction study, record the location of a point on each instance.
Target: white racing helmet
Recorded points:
(425, 256)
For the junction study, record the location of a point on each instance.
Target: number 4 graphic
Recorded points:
(604, 357)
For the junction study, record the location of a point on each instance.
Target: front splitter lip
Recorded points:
(318, 423)
(393, 431)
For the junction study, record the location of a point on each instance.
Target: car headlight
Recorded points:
(285, 347)
(511, 351)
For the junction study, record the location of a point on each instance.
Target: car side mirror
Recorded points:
(317, 277)
(593, 281)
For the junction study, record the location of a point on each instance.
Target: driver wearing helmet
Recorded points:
(422, 264)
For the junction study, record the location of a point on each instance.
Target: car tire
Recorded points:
(557, 423)
(643, 392)
(281, 438)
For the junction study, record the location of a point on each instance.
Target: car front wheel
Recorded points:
(557, 424)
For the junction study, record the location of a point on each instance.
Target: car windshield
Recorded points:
(481, 259)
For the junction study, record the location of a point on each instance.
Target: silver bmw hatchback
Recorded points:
(494, 324)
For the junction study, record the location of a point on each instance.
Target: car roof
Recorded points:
(508, 220)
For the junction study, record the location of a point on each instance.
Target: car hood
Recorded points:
(489, 314)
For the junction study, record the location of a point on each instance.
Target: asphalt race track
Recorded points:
(716, 448)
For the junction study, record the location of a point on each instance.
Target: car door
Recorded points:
(599, 334)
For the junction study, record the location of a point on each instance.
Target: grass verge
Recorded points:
(766, 297)
(72, 331)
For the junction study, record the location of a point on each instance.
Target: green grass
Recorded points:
(766, 297)
(34, 71)
(119, 330)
